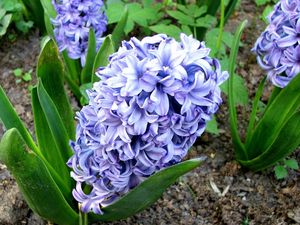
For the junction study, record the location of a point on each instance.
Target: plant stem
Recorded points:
(83, 218)
(221, 26)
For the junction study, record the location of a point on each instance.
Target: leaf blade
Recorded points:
(101, 59)
(10, 119)
(51, 71)
(87, 71)
(124, 208)
(34, 180)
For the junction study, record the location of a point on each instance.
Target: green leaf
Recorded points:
(230, 9)
(170, 30)
(34, 180)
(55, 123)
(87, 71)
(50, 70)
(280, 172)
(101, 59)
(207, 21)
(211, 39)
(146, 193)
(286, 142)
(48, 8)
(181, 17)
(48, 25)
(274, 118)
(261, 2)
(255, 108)
(114, 11)
(73, 68)
(27, 76)
(2, 13)
(36, 13)
(118, 32)
(144, 16)
(239, 147)
(212, 126)
(10, 119)
(4, 23)
(186, 29)
(240, 92)
(266, 12)
(292, 164)
(83, 88)
(24, 26)
(199, 11)
(18, 72)
(46, 142)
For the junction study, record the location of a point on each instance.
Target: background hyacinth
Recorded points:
(152, 102)
(278, 46)
(72, 24)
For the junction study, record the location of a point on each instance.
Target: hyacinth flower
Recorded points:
(130, 139)
(276, 133)
(277, 49)
(78, 27)
(72, 25)
(152, 102)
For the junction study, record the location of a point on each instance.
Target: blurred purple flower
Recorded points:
(277, 48)
(152, 102)
(72, 24)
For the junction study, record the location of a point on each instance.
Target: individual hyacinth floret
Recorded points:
(277, 48)
(72, 24)
(152, 102)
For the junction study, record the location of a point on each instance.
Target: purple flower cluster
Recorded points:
(152, 102)
(277, 48)
(72, 24)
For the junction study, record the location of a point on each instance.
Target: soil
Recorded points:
(218, 192)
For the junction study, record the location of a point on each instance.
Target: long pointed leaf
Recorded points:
(34, 180)
(10, 119)
(276, 115)
(107, 48)
(238, 145)
(146, 193)
(61, 138)
(254, 110)
(118, 32)
(48, 8)
(73, 68)
(50, 70)
(87, 72)
(46, 142)
(288, 140)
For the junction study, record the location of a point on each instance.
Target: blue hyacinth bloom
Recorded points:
(277, 48)
(154, 99)
(72, 24)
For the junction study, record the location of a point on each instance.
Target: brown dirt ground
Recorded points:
(245, 197)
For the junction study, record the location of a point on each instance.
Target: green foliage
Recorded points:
(20, 75)
(40, 191)
(146, 193)
(280, 172)
(142, 14)
(212, 126)
(14, 12)
(276, 134)
(40, 169)
(240, 93)
(35, 12)
(281, 169)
